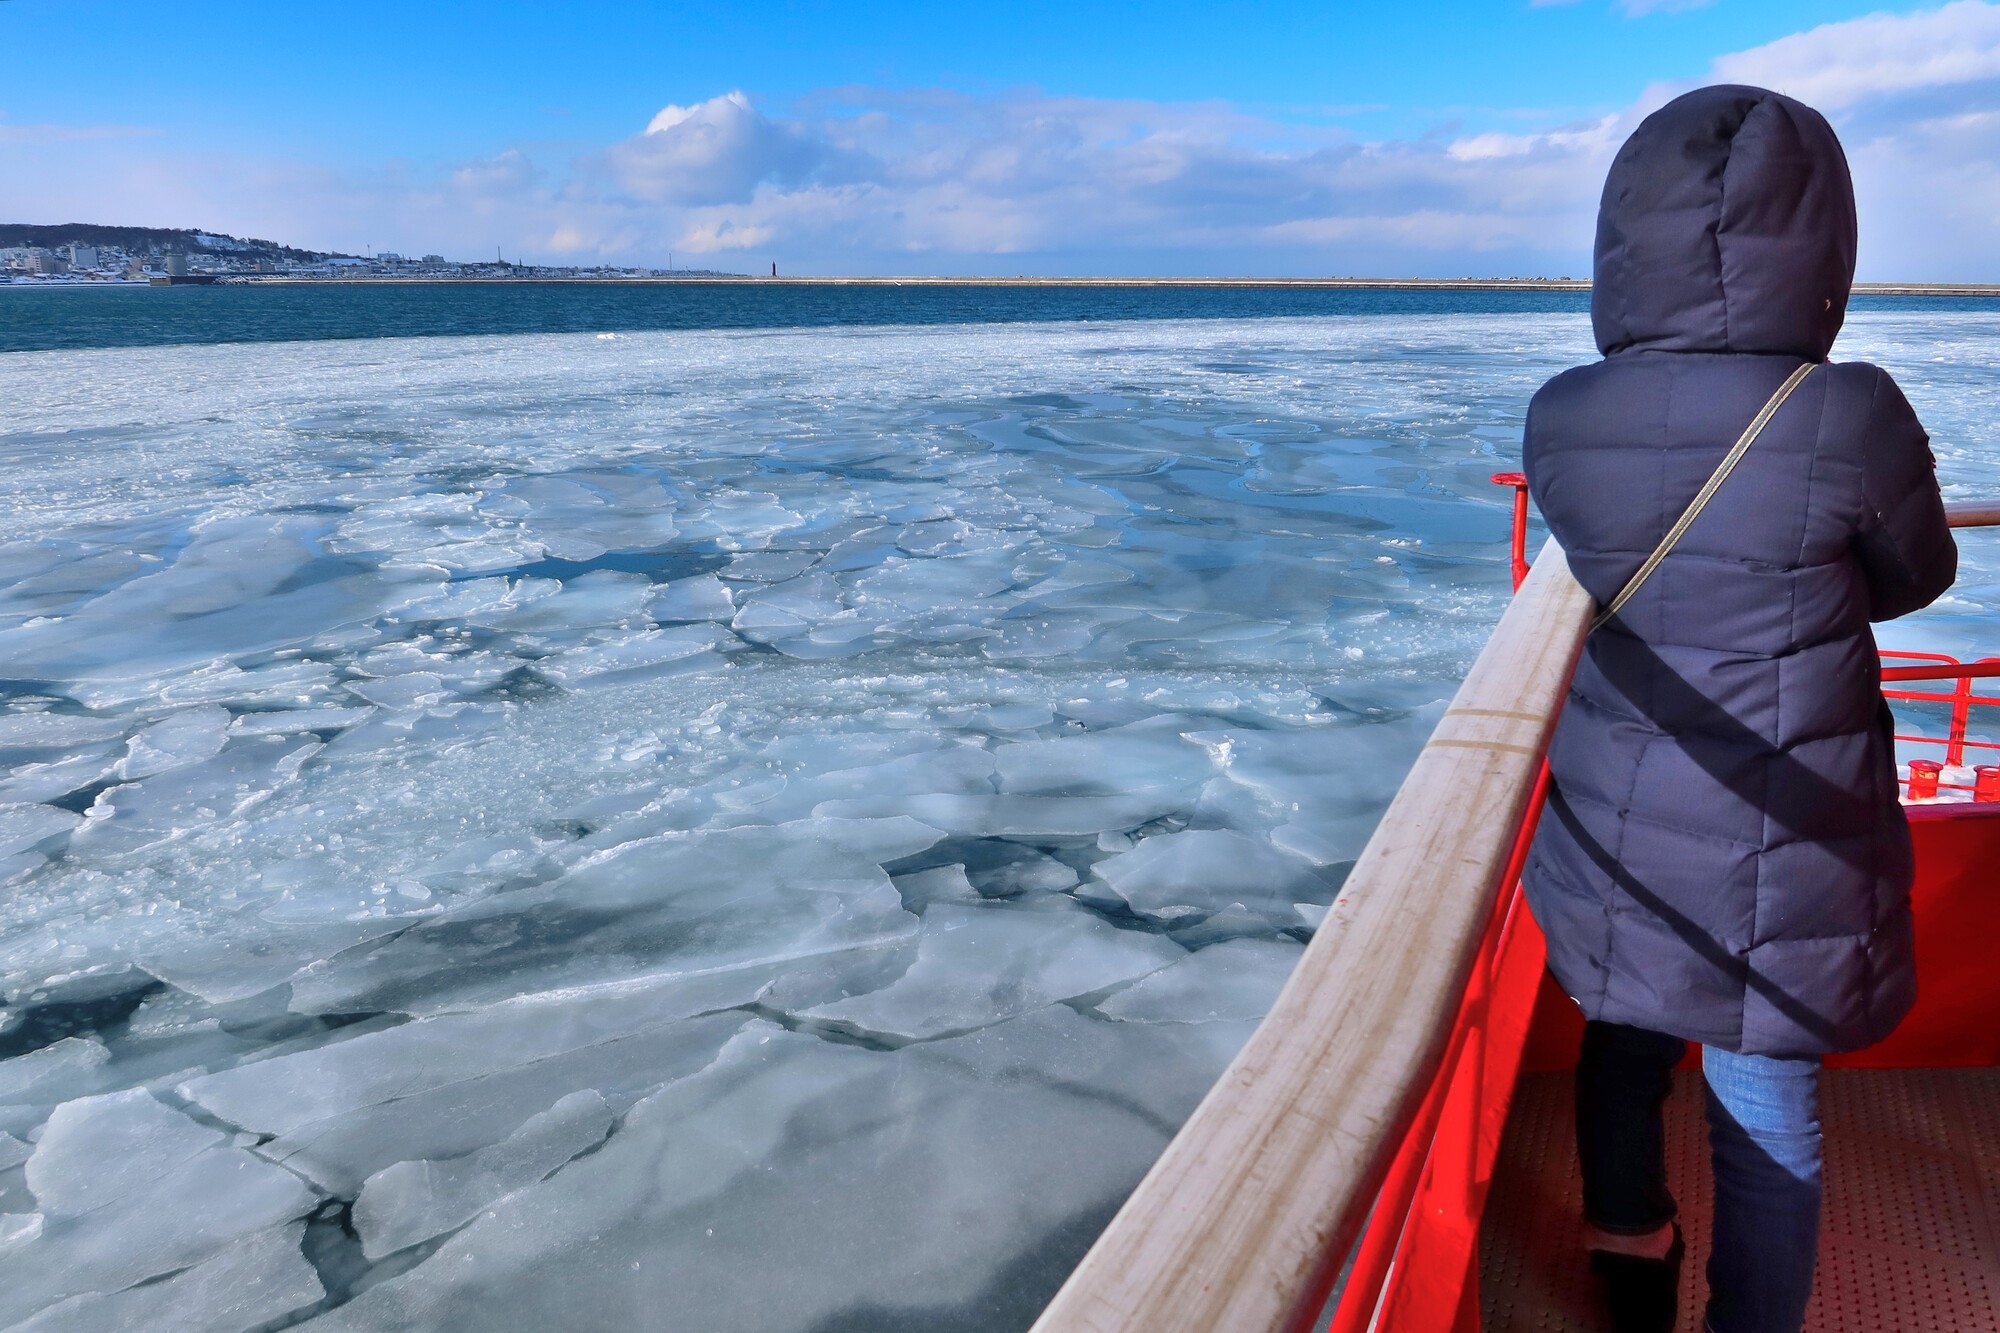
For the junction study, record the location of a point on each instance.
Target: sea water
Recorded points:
(752, 829)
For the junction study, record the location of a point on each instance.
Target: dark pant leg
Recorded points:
(1764, 1131)
(1622, 1080)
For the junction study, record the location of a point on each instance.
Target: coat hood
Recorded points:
(1727, 225)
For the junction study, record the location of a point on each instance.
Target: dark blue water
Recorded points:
(39, 318)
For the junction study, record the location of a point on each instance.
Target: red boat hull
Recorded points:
(1425, 1269)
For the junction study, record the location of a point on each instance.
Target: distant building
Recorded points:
(82, 257)
(177, 265)
(46, 263)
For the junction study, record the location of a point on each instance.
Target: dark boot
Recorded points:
(1643, 1294)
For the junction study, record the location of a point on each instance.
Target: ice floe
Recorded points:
(503, 837)
(131, 1189)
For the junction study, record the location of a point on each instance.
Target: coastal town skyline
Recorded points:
(1439, 140)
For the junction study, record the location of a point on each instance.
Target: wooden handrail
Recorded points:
(1973, 514)
(1243, 1222)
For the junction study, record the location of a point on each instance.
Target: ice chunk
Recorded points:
(1021, 870)
(1330, 783)
(275, 685)
(442, 1087)
(58, 1062)
(1173, 875)
(1329, 842)
(23, 826)
(1232, 921)
(1235, 980)
(676, 904)
(1017, 816)
(703, 597)
(644, 652)
(44, 735)
(418, 689)
(141, 814)
(739, 520)
(975, 1169)
(183, 738)
(18, 1227)
(769, 566)
(13, 1152)
(935, 769)
(1106, 762)
(604, 597)
(493, 598)
(978, 965)
(118, 647)
(901, 587)
(29, 783)
(1084, 572)
(296, 720)
(251, 954)
(251, 1283)
(131, 1189)
(942, 884)
(415, 1200)
(783, 610)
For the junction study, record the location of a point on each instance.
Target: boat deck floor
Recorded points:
(1910, 1238)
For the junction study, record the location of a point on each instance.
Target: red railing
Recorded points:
(1926, 781)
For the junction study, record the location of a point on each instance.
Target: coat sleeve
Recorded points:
(1903, 543)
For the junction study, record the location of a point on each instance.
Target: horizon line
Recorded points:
(1990, 289)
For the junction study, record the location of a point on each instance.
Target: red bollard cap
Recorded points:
(1924, 778)
(1510, 479)
(1986, 782)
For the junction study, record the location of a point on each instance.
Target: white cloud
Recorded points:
(713, 152)
(1837, 65)
(1596, 137)
(936, 181)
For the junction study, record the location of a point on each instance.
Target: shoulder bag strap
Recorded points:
(1707, 492)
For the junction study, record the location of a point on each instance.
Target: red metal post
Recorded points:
(1961, 714)
(1519, 482)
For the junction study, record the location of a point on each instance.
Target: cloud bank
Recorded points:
(860, 180)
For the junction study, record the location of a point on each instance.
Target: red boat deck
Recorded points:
(1911, 1232)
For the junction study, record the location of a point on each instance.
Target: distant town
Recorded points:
(85, 253)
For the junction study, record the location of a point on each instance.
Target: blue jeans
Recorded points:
(1764, 1139)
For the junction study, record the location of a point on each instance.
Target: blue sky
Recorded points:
(1045, 137)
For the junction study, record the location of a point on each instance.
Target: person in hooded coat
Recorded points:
(1723, 858)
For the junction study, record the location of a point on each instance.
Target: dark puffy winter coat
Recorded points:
(1723, 857)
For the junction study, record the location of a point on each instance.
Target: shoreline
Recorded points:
(1967, 289)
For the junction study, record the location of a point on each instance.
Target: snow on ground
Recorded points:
(779, 828)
